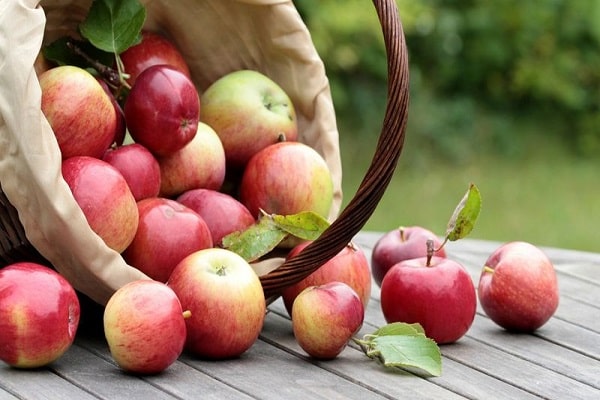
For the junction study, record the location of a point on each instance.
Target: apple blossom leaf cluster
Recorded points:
(403, 345)
(270, 230)
(114, 25)
(465, 215)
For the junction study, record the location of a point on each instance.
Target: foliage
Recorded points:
(477, 69)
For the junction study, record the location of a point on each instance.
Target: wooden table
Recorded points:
(560, 361)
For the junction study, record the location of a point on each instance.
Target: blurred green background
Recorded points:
(504, 94)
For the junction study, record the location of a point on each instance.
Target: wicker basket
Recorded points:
(16, 241)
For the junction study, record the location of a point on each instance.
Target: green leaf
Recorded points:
(465, 215)
(58, 52)
(402, 345)
(256, 241)
(114, 25)
(400, 328)
(408, 351)
(305, 225)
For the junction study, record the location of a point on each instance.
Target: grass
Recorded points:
(547, 197)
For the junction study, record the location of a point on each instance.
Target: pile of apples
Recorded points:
(419, 283)
(162, 173)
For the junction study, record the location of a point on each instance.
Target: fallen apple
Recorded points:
(199, 164)
(325, 317)
(39, 315)
(162, 110)
(518, 287)
(349, 266)
(138, 166)
(153, 49)
(226, 301)
(105, 198)
(222, 213)
(80, 113)
(249, 112)
(144, 327)
(401, 244)
(167, 232)
(436, 292)
(287, 178)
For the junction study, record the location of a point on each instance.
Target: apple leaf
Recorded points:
(59, 52)
(256, 240)
(465, 215)
(114, 25)
(305, 225)
(401, 345)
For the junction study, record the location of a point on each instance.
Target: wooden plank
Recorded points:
(180, 380)
(352, 364)
(39, 384)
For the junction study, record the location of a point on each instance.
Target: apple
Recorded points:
(223, 213)
(287, 178)
(79, 111)
(39, 315)
(518, 287)
(401, 244)
(139, 168)
(349, 266)
(168, 231)
(153, 49)
(436, 292)
(226, 301)
(249, 112)
(199, 164)
(144, 327)
(105, 198)
(162, 110)
(325, 317)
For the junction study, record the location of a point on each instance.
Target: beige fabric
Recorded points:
(216, 37)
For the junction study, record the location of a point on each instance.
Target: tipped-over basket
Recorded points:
(39, 218)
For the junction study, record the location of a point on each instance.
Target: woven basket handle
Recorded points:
(377, 177)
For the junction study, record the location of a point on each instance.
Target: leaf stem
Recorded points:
(111, 76)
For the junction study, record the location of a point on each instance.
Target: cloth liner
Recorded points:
(215, 37)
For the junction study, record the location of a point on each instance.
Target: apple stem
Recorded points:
(402, 238)
(487, 269)
(110, 75)
(430, 251)
(187, 314)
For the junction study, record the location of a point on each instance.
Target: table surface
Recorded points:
(559, 361)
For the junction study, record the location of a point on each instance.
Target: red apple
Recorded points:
(162, 110)
(349, 266)
(325, 317)
(401, 244)
(199, 164)
(105, 199)
(518, 288)
(79, 111)
(168, 231)
(39, 315)
(144, 327)
(439, 295)
(287, 178)
(249, 112)
(139, 168)
(222, 213)
(226, 301)
(154, 49)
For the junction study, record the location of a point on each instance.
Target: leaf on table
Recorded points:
(306, 225)
(114, 25)
(401, 345)
(465, 215)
